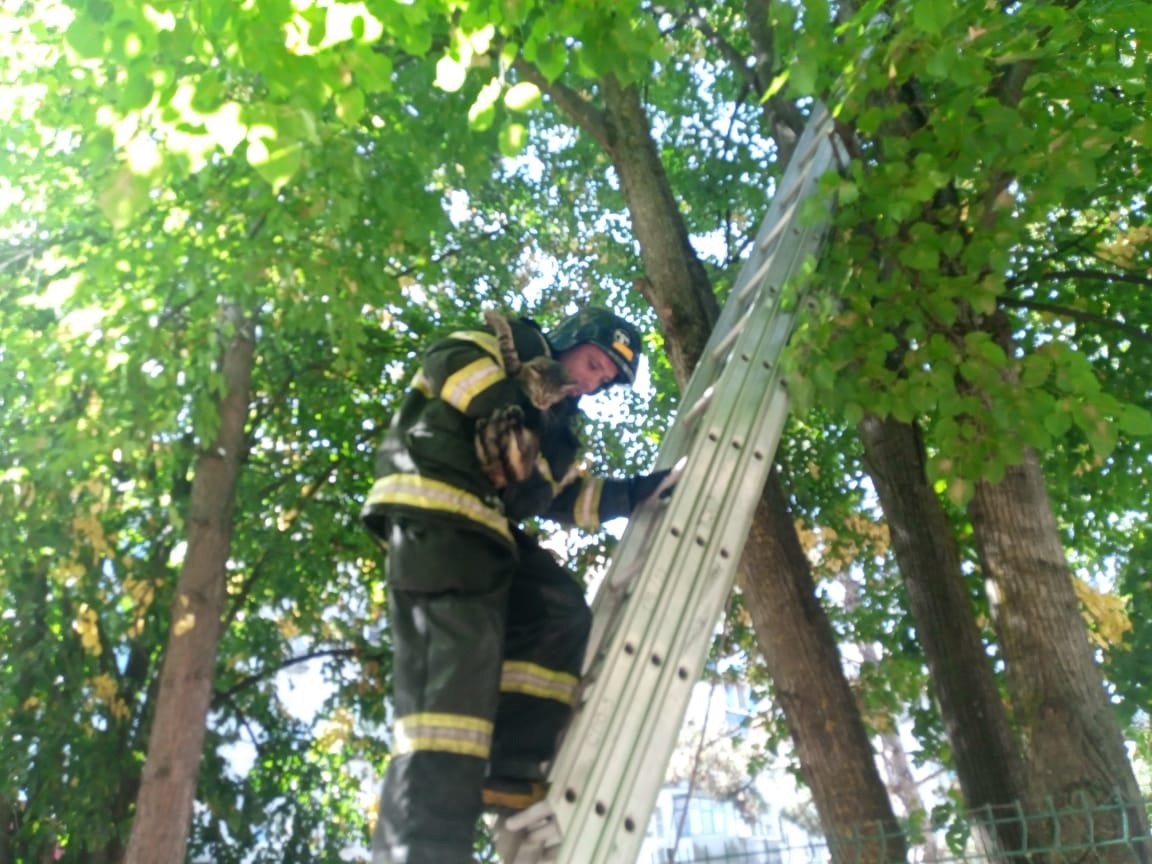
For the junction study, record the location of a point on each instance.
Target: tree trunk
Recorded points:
(795, 636)
(985, 753)
(168, 782)
(1075, 749)
(675, 283)
(799, 646)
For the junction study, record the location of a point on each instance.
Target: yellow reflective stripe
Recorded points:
(446, 733)
(520, 676)
(625, 350)
(461, 387)
(484, 340)
(412, 490)
(421, 384)
(586, 508)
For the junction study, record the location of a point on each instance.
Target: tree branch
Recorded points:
(1138, 332)
(572, 104)
(739, 63)
(255, 678)
(1083, 273)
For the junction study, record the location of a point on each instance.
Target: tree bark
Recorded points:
(1075, 750)
(800, 651)
(168, 783)
(985, 753)
(675, 283)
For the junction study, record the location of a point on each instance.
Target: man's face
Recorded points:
(589, 367)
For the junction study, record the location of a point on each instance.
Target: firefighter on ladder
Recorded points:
(488, 630)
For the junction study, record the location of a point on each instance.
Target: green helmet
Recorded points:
(617, 337)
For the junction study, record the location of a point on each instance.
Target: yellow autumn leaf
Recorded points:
(119, 709)
(141, 591)
(1106, 614)
(87, 627)
(104, 686)
(333, 734)
(69, 571)
(89, 529)
(289, 628)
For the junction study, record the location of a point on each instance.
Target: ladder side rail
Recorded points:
(679, 546)
(631, 551)
(646, 528)
(653, 617)
(643, 532)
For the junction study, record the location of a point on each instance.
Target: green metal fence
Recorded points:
(1078, 832)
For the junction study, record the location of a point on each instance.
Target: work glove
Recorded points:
(644, 486)
(505, 447)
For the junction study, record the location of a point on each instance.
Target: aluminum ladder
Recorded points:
(657, 609)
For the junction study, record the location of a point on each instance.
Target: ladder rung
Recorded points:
(693, 414)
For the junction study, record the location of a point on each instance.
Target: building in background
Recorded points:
(711, 809)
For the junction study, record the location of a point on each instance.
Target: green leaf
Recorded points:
(1034, 370)
(124, 197)
(523, 96)
(350, 105)
(803, 75)
(450, 74)
(483, 111)
(276, 162)
(932, 16)
(1059, 421)
(1135, 420)
(776, 86)
(513, 137)
(137, 90)
(85, 37)
(920, 257)
(847, 192)
(992, 352)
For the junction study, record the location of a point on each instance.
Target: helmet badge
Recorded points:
(623, 344)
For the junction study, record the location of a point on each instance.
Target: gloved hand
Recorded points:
(644, 486)
(506, 449)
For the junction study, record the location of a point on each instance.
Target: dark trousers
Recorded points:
(487, 646)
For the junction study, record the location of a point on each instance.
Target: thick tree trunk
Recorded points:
(800, 652)
(1075, 749)
(168, 783)
(795, 636)
(985, 753)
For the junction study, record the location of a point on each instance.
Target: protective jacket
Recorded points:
(488, 630)
(427, 464)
